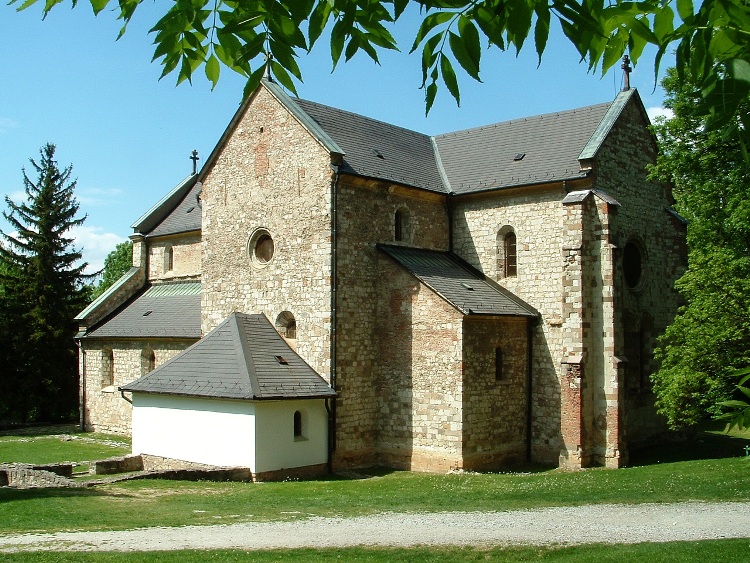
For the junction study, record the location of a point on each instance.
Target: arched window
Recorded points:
(168, 258)
(507, 254)
(286, 325)
(108, 367)
(632, 265)
(148, 361)
(499, 373)
(511, 264)
(297, 424)
(401, 225)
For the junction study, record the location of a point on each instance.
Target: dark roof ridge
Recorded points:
(247, 365)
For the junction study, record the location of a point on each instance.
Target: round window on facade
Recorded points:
(261, 247)
(632, 265)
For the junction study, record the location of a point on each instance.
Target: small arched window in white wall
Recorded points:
(298, 430)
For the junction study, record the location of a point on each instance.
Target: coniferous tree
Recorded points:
(44, 287)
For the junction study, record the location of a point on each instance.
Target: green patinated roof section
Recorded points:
(114, 288)
(173, 289)
(606, 124)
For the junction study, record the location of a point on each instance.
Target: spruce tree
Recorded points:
(44, 287)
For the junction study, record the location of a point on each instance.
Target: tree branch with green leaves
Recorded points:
(711, 42)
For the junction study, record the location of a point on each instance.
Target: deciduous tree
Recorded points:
(116, 264)
(44, 287)
(710, 338)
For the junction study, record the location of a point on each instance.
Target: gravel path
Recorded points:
(566, 525)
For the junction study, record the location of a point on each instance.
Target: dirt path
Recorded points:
(566, 525)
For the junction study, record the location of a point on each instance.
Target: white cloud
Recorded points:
(95, 243)
(94, 197)
(6, 124)
(655, 112)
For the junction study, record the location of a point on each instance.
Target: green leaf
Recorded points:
(213, 69)
(98, 5)
(663, 23)
(541, 29)
(449, 77)
(685, 8)
(430, 94)
(428, 24)
(253, 81)
(740, 70)
(318, 21)
(429, 56)
(459, 50)
(280, 74)
(470, 39)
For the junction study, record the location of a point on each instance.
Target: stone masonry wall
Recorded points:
(186, 261)
(105, 410)
(494, 404)
(536, 216)
(366, 216)
(272, 175)
(649, 307)
(419, 369)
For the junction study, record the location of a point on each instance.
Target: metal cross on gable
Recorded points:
(626, 68)
(195, 158)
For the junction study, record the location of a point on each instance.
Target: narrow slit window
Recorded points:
(499, 372)
(297, 424)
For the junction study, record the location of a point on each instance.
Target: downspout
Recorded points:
(82, 405)
(531, 324)
(122, 394)
(331, 407)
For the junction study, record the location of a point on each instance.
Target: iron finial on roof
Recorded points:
(194, 157)
(267, 73)
(626, 68)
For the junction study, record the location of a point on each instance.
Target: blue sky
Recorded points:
(129, 136)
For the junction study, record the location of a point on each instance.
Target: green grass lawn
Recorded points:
(684, 552)
(59, 444)
(699, 469)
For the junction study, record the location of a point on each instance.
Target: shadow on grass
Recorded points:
(9, 494)
(708, 441)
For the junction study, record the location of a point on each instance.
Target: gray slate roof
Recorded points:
(548, 146)
(239, 359)
(456, 281)
(161, 311)
(177, 212)
(378, 150)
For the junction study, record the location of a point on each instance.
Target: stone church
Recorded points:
(460, 301)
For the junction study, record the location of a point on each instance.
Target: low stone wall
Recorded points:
(114, 465)
(157, 463)
(25, 476)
